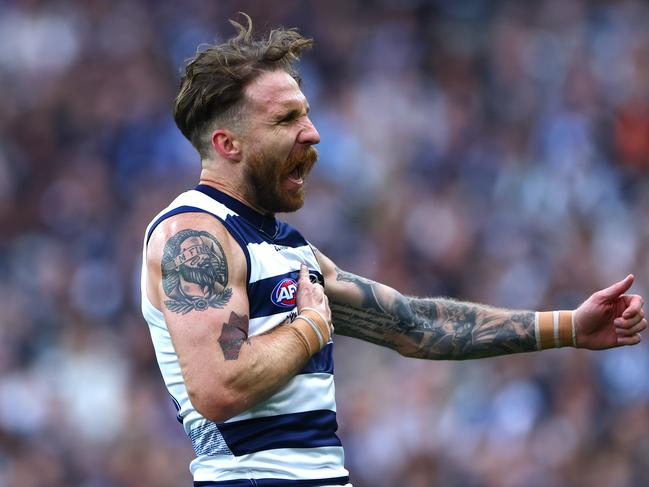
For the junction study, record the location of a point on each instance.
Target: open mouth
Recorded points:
(296, 175)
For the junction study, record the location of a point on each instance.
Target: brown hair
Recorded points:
(211, 89)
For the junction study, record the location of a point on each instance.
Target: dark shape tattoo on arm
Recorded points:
(437, 328)
(233, 335)
(194, 272)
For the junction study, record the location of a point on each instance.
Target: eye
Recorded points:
(289, 117)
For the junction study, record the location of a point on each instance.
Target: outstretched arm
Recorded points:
(442, 328)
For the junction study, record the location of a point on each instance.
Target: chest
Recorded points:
(273, 281)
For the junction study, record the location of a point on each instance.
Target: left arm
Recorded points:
(445, 329)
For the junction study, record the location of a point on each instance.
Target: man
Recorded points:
(234, 298)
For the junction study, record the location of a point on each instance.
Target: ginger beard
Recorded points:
(277, 185)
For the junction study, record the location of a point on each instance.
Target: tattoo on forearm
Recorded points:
(370, 301)
(431, 328)
(194, 272)
(233, 335)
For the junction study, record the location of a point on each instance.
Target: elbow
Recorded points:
(411, 349)
(216, 414)
(406, 347)
(409, 352)
(217, 405)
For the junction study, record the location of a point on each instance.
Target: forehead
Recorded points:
(273, 92)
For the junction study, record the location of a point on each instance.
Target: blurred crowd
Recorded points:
(492, 151)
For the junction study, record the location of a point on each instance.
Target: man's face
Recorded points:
(278, 152)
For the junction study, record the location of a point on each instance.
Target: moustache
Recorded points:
(302, 156)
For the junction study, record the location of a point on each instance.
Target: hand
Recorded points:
(312, 295)
(610, 318)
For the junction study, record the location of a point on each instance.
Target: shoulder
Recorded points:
(195, 235)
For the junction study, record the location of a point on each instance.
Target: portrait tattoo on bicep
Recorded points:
(194, 272)
(233, 335)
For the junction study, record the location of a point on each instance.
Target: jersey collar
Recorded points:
(264, 223)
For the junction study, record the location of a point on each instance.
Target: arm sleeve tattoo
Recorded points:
(194, 272)
(436, 328)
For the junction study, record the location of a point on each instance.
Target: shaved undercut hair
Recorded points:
(213, 82)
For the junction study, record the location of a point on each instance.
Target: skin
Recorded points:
(197, 278)
(445, 329)
(277, 129)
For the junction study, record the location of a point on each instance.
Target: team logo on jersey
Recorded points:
(284, 293)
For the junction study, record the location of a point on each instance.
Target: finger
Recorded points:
(634, 305)
(632, 340)
(318, 289)
(629, 321)
(616, 290)
(636, 328)
(304, 275)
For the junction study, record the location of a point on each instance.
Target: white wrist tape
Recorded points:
(319, 314)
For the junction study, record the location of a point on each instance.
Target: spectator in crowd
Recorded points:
(522, 120)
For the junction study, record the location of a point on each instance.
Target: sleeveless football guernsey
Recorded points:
(290, 438)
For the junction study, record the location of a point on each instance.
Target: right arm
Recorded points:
(445, 329)
(197, 278)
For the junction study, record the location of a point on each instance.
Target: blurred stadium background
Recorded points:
(493, 151)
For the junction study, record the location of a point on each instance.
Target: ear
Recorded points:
(227, 145)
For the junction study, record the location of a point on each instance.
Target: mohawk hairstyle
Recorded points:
(212, 86)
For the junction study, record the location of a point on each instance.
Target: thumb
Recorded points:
(616, 290)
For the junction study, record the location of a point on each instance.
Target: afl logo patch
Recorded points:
(284, 293)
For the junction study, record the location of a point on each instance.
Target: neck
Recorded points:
(231, 190)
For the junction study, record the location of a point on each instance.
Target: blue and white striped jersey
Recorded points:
(290, 438)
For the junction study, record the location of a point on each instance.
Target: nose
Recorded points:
(309, 134)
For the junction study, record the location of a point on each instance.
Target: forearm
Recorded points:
(264, 364)
(447, 329)
(245, 371)
(436, 328)
(439, 329)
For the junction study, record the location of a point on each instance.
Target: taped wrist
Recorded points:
(313, 328)
(554, 329)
